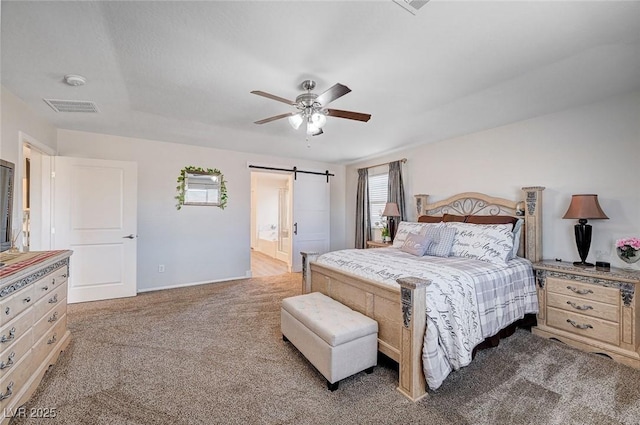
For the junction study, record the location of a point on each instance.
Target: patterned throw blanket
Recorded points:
(467, 300)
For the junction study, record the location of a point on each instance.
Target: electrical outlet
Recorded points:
(161, 268)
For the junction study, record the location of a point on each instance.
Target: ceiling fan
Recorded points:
(311, 108)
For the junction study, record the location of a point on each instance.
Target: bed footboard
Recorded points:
(398, 311)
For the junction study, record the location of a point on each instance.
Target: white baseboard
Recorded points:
(182, 285)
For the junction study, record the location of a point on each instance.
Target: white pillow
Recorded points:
(486, 242)
(404, 228)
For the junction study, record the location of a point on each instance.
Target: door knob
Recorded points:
(131, 236)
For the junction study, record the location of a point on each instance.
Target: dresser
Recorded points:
(595, 311)
(33, 323)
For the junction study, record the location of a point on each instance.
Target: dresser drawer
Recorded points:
(51, 282)
(15, 304)
(584, 306)
(579, 324)
(53, 297)
(49, 320)
(44, 345)
(12, 383)
(13, 330)
(584, 290)
(9, 358)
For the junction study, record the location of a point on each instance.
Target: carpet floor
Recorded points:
(213, 354)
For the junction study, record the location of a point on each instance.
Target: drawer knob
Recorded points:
(579, 307)
(27, 300)
(8, 393)
(580, 291)
(9, 362)
(53, 299)
(579, 326)
(45, 288)
(12, 335)
(7, 311)
(53, 318)
(52, 339)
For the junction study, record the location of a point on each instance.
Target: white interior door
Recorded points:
(95, 213)
(311, 216)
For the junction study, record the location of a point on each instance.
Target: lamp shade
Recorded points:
(391, 210)
(585, 207)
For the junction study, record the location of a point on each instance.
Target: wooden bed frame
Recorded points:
(400, 312)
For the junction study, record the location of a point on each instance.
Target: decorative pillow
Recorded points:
(485, 242)
(517, 229)
(492, 219)
(448, 218)
(441, 240)
(429, 219)
(404, 228)
(415, 244)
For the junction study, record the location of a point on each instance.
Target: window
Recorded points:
(377, 197)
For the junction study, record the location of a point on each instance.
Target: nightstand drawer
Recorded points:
(589, 327)
(584, 306)
(584, 290)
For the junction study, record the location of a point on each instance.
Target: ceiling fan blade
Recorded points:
(274, 97)
(338, 90)
(350, 115)
(276, 117)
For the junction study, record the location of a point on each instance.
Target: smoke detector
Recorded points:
(75, 80)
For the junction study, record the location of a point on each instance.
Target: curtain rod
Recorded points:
(385, 163)
(295, 171)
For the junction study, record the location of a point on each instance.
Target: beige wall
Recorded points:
(591, 149)
(196, 244)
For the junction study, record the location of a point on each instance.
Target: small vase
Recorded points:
(629, 256)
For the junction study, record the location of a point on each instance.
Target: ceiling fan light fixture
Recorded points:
(312, 128)
(295, 121)
(318, 119)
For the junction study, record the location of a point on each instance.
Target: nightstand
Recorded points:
(379, 244)
(592, 310)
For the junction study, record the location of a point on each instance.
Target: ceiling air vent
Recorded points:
(411, 6)
(71, 105)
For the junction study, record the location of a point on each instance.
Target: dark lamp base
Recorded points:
(582, 264)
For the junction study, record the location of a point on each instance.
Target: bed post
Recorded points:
(307, 257)
(413, 299)
(533, 222)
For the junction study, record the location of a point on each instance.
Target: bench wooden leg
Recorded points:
(332, 387)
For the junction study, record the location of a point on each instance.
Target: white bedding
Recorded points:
(467, 300)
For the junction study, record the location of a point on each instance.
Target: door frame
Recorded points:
(253, 206)
(47, 195)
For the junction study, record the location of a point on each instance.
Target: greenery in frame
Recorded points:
(191, 169)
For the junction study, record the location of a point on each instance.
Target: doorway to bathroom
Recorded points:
(271, 224)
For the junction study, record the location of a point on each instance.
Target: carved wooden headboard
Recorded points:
(473, 203)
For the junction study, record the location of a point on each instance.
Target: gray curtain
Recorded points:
(363, 225)
(396, 189)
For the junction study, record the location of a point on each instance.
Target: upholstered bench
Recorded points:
(338, 341)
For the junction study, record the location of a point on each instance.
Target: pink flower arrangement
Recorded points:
(628, 246)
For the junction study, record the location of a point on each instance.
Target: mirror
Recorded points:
(6, 204)
(197, 186)
(202, 189)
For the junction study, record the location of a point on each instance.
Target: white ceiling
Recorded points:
(183, 71)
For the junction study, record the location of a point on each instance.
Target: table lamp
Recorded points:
(584, 207)
(391, 211)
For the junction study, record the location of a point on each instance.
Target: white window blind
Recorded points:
(377, 197)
